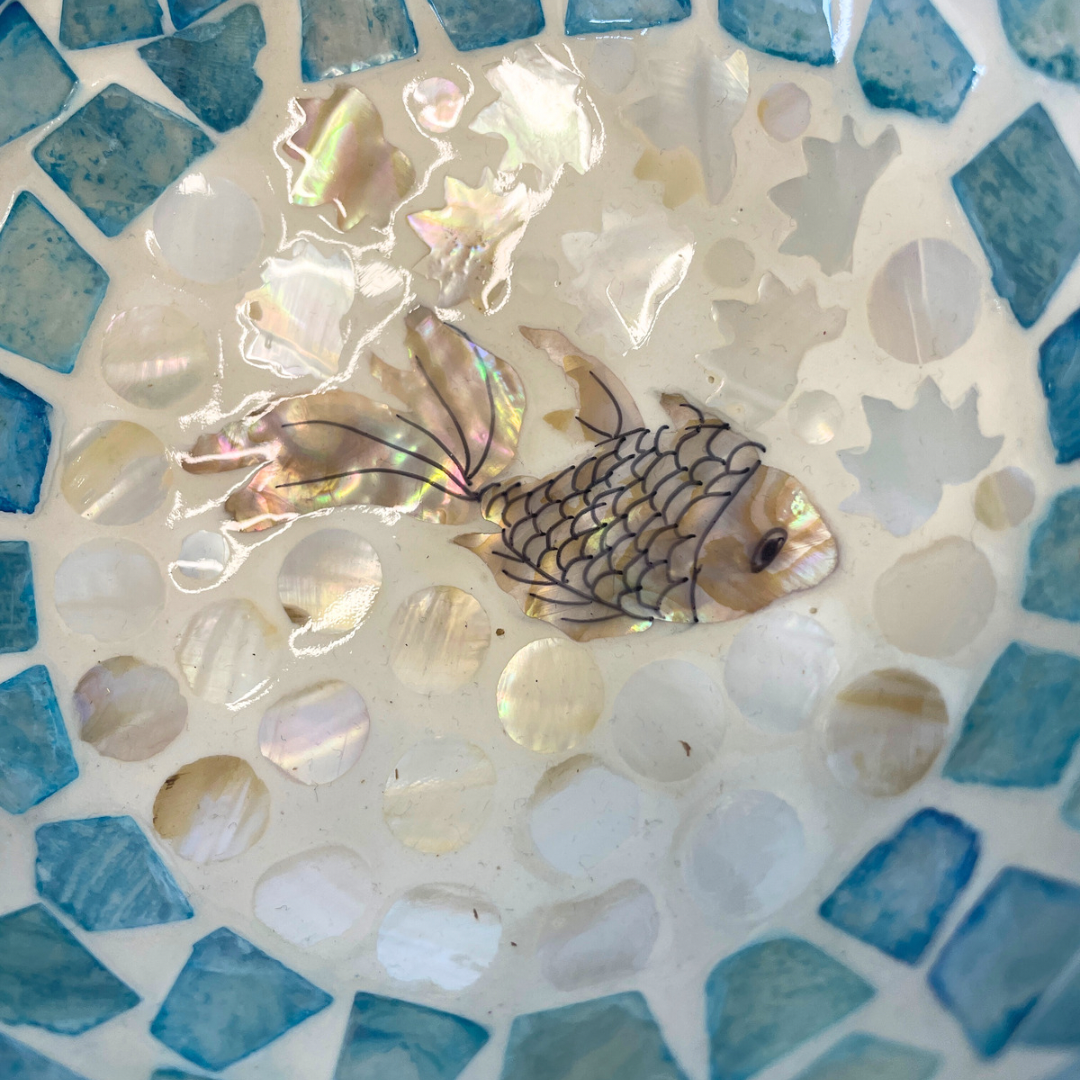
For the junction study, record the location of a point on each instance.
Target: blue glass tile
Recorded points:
(1021, 194)
(35, 753)
(18, 615)
(87, 23)
(211, 67)
(20, 1062)
(896, 897)
(50, 289)
(35, 83)
(184, 12)
(48, 980)
(1059, 370)
(479, 24)
(793, 29)
(341, 36)
(768, 998)
(103, 873)
(608, 1038)
(1024, 722)
(866, 1057)
(1052, 586)
(1045, 34)
(389, 1037)
(1070, 810)
(910, 58)
(25, 437)
(1008, 950)
(117, 154)
(1056, 1022)
(230, 1000)
(606, 16)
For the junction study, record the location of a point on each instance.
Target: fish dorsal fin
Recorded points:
(605, 408)
(683, 411)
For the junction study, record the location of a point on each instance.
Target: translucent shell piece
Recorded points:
(459, 430)
(472, 239)
(438, 104)
(346, 160)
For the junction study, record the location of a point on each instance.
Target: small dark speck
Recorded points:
(685, 745)
(396, 776)
(514, 943)
(475, 915)
(500, 632)
(813, 611)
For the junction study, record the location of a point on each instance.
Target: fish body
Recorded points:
(683, 523)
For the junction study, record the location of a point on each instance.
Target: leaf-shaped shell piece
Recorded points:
(459, 429)
(346, 160)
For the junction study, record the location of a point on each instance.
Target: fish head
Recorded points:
(770, 541)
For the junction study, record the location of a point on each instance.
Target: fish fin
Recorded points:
(605, 408)
(683, 411)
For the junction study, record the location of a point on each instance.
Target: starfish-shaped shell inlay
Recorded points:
(472, 238)
(539, 114)
(346, 160)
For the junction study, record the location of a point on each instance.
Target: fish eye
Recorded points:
(768, 547)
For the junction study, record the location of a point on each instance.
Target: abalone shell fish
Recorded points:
(680, 523)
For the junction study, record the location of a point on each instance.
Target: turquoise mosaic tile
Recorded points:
(211, 66)
(21, 1062)
(85, 24)
(1011, 946)
(36, 759)
(18, 612)
(1045, 34)
(1024, 722)
(25, 437)
(104, 874)
(35, 83)
(608, 1038)
(482, 24)
(898, 894)
(609, 16)
(910, 58)
(866, 1057)
(1059, 371)
(769, 998)
(1022, 196)
(1052, 584)
(49, 980)
(342, 36)
(386, 1035)
(792, 29)
(50, 288)
(117, 154)
(230, 1000)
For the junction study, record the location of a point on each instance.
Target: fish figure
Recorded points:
(682, 523)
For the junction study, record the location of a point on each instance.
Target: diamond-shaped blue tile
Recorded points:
(48, 980)
(35, 752)
(117, 154)
(1024, 722)
(910, 58)
(87, 23)
(18, 615)
(50, 289)
(481, 24)
(612, 16)
(608, 1038)
(387, 1036)
(104, 874)
(230, 1000)
(342, 36)
(1052, 586)
(866, 1057)
(211, 66)
(20, 1062)
(35, 83)
(1021, 194)
(897, 895)
(769, 998)
(184, 12)
(1045, 34)
(1012, 945)
(1059, 372)
(25, 437)
(793, 29)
